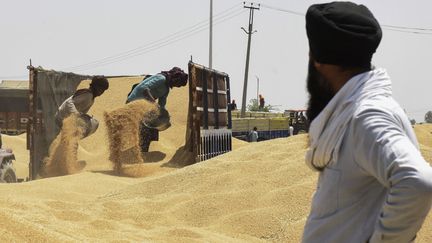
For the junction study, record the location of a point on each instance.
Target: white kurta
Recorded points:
(380, 187)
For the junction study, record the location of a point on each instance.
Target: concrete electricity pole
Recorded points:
(211, 36)
(257, 78)
(249, 33)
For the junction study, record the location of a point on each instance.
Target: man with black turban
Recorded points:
(374, 185)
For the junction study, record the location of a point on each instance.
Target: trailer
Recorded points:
(269, 125)
(14, 106)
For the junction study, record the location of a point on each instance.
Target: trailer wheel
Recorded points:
(7, 174)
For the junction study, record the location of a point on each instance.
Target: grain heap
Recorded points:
(260, 192)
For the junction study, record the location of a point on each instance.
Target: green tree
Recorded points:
(428, 117)
(254, 106)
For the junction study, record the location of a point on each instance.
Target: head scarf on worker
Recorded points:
(176, 76)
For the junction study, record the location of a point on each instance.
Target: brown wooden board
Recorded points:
(211, 118)
(201, 76)
(222, 101)
(208, 112)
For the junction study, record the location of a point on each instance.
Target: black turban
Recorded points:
(342, 33)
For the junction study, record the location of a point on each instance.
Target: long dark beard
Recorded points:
(320, 92)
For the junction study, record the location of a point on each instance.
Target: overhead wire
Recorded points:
(407, 28)
(177, 36)
(197, 28)
(404, 29)
(158, 46)
(223, 16)
(282, 10)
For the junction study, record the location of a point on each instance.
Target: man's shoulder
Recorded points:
(156, 79)
(383, 105)
(83, 94)
(378, 114)
(157, 76)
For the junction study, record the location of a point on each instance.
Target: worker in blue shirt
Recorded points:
(151, 88)
(154, 88)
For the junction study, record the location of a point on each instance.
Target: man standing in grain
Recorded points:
(374, 185)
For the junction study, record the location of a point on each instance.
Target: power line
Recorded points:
(195, 29)
(150, 47)
(200, 24)
(282, 10)
(407, 28)
(156, 46)
(404, 29)
(222, 16)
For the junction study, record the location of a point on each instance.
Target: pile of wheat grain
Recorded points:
(260, 192)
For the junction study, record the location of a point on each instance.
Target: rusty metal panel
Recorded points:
(208, 119)
(32, 119)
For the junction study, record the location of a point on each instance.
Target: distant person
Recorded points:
(253, 135)
(374, 185)
(302, 117)
(233, 105)
(81, 102)
(291, 130)
(154, 88)
(261, 102)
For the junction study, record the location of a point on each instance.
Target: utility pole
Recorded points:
(211, 36)
(257, 78)
(249, 33)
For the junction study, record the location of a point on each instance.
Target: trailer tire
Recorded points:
(7, 174)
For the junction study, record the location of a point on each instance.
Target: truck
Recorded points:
(270, 125)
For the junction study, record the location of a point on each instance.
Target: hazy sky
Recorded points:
(139, 36)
